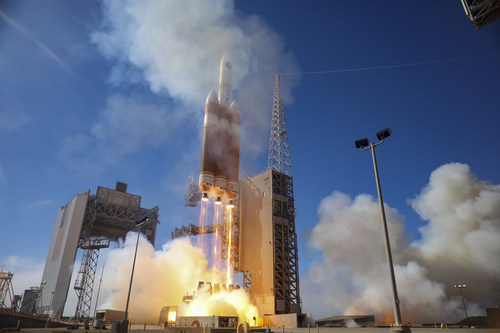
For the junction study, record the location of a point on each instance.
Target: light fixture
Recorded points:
(218, 201)
(384, 134)
(205, 197)
(231, 204)
(361, 143)
(141, 222)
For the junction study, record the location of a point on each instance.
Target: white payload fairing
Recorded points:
(220, 152)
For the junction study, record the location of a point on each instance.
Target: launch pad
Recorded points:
(258, 234)
(254, 221)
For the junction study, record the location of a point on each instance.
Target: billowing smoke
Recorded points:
(175, 47)
(459, 244)
(223, 303)
(162, 278)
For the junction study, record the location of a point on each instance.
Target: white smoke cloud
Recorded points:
(461, 240)
(175, 47)
(162, 278)
(458, 245)
(126, 125)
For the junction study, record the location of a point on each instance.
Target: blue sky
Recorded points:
(84, 103)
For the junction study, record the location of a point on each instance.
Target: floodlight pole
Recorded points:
(124, 323)
(460, 286)
(395, 299)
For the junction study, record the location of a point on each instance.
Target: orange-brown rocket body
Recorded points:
(219, 170)
(234, 149)
(208, 153)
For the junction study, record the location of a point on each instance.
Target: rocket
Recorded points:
(220, 152)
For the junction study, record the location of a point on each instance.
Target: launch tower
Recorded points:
(268, 240)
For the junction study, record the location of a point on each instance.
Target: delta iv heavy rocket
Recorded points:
(220, 152)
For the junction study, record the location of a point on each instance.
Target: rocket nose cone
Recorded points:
(225, 61)
(234, 107)
(212, 97)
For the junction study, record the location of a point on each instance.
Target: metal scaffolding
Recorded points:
(279, 152)
(482, 12)
(30, 299)
(110, 214)
(6, 289)
(104, 218)
(84, 283)
(221, 229)
(247, 282)
(286, 264)
(193, 230)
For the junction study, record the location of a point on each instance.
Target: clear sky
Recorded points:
(94, 92)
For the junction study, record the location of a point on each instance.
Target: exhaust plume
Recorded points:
(162, 278)
(459, 244)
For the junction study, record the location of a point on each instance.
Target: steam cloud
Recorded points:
(124, 126)
(175, 48)
(162, 278)
(459, 244)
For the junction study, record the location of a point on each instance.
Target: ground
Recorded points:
(154, 329)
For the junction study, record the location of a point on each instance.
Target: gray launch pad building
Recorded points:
(88, 222)
(268, 251)
(268, 242)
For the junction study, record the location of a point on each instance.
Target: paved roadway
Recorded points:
(154, 329)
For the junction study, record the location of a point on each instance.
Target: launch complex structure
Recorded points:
(256, 226)
(89, 222)
(258, 233)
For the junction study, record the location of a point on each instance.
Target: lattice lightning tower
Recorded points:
(279, 152)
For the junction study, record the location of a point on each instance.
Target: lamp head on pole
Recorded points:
(362, 143)
(384, 134)
(141, 222)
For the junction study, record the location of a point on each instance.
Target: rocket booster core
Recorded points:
(220, 154)
(209, 136)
